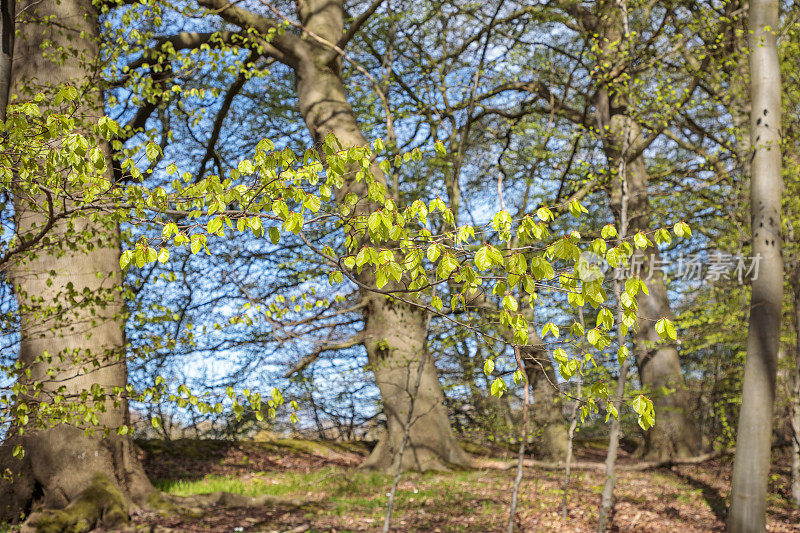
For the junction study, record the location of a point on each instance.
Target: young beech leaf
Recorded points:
(274, 235)
(666, 329)
(608, 231)
(498, 387)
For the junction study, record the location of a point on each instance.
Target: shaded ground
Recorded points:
(314, 487)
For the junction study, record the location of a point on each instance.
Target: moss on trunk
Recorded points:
(99, 504)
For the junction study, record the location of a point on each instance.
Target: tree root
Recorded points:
(100, 504)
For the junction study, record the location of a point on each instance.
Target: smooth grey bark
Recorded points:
(398, 457)
(71, 307)
(395, 333)
(674, 434)
(753, 440)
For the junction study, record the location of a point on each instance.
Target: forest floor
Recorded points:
(302, 486)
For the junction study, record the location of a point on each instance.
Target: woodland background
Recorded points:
(247, 247)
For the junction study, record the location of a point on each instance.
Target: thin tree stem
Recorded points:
(524, 438)
(573, 424)
(398, 458)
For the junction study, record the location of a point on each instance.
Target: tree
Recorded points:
(617, 108)
(753, 441)
(70, 299)
(394, 334)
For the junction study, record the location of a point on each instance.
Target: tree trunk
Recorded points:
(8, 13)
(794, 401)
(90, 479)
(395, 333)
(396, 337)
(675, 432)
(753, 440)
(549, 425)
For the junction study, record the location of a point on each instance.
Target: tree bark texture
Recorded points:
(71, 307)
(753, 440)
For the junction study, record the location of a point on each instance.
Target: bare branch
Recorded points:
(355, 340)
(353, 29)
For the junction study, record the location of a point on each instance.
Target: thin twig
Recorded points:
(398, 458)
(524, 438)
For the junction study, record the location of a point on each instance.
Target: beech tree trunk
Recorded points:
(549, 425)
(794, 401)
(8, 12)
(675, 432)
(71, 308)
(753, 440)
(395, 333)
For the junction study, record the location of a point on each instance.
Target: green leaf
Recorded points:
(575, 208)
(551, 328)
(608, 231)
(312, 203)
(643, 406)
(246, 167)
(541, 268)
(196, 243)
(510, 303)
(433, 252)
(544, 214)
(482, 260)
(682, 229)
(125, 259)
(568, 369)
(611, 410)
(666, 329)
(605, 318)
(488, 367)
(498, 387)
(663, 236)
(274, 235)
(641, 240)
(152, 150)
(214, 225)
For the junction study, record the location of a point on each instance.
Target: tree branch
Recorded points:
(283, 46)
(356, 339)
(237, 86)
(353, 30)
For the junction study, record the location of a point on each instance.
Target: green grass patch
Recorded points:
(344, 490)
